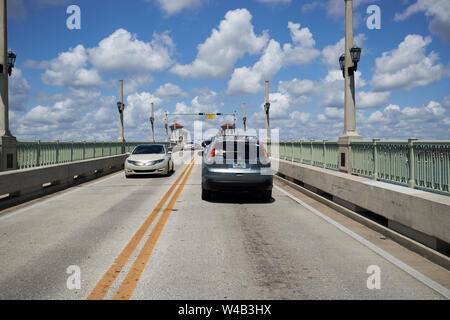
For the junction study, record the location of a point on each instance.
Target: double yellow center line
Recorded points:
(129, 283)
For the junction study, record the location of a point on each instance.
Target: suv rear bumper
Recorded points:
(265, 183)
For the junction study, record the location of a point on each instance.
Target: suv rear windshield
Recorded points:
(149, 149)
(233, 150)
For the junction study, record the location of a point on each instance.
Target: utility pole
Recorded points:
(8, 143)
(266, 109)
(167, 127)
(244, 120)
(121, 108)
(152, 121)
(350, 134)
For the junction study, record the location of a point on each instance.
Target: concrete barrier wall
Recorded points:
(423, 216)
(19, 183)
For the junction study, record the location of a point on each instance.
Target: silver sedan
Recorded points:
(149, 159)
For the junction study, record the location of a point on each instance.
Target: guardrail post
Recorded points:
(38, 153)
(103, 148)
(411, 163)
(325, 154)
(301, 150)
(57, 152)
(71, 151)
(95, 144)
(84, 150)
(292, 145)
(375, 159)
(312, 153)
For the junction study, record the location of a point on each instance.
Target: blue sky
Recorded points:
(190, 56)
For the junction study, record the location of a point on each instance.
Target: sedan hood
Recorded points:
(146, 157)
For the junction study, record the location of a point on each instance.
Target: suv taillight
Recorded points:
(209, 159)
(264, 160)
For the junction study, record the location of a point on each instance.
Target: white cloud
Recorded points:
(330, 91)
(303, 51)
(69, 70)
(218, 54)
(251, 80)
(402, 123)
(366, 100)
(247, 80)
(206, 101)
(138, 108)
(446, 101)
(171, 7)
(132, 84)
(19, 90)
(123, 52)
(46, 123)
(407, 66)
(279, 105)
(334, 113)
(438, 11)
(170, 91)
(298, 87)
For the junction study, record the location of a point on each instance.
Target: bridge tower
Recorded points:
(8, 143)
(349, 66)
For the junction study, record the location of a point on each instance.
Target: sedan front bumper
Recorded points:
(158, 168)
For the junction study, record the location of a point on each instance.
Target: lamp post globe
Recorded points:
(11, 61)
(355, 53)
(342, 63)
(120, 106)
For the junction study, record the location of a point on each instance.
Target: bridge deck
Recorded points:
(234, 247)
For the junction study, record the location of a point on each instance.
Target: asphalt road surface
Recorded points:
(154, 238)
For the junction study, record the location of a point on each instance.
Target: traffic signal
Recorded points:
(201, 114)
(219, 114)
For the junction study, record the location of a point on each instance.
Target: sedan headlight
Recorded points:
(157, 161)
(134, 163)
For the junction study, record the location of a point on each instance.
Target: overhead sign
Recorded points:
(210, 116)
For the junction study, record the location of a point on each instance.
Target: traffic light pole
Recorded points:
(267, 109)
(244, 120)
(152, 123)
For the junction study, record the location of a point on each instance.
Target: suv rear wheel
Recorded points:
(267, 195)
(206, 195)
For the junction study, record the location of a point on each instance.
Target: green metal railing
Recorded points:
(317, 153)
(417, 164)
(387, 161)
(36, 154)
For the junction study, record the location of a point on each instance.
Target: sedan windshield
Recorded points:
(149, 149)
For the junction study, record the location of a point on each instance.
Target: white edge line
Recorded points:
(411, 271)
(18, 211)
